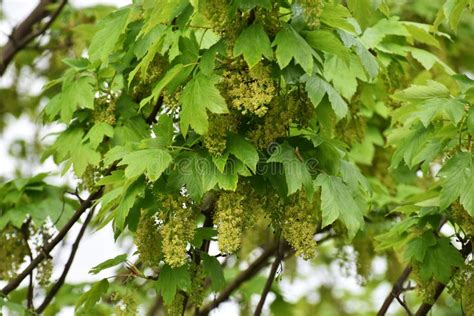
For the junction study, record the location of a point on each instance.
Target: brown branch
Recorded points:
(253, 269)
(156, 307)
(268, 284)
(403, 303)
(75, 246)
(245, 275)
(46, 249)
(395, 292)
(24, 33)
(152, 117)
(426, 307)
(25, 231)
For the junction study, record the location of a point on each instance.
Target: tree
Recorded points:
(236, 141)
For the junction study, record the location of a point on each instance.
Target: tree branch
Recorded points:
(25, 231)
(271, 277)
(75, 246)
(245, 275)
(24, 33)
(152, 117)
(395, 292)
(15, 282)
(253, 269)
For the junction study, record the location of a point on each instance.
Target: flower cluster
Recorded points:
(216, 137)
(198, 285)
(14, 248)
(230, 219)
(249, 91)
(104, 109)
(148, 240)
(299, 226)
(179, 224)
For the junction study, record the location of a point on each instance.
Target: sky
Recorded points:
(98, 246)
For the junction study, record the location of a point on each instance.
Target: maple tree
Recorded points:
(236, 141)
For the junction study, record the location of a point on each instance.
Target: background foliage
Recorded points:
(226, 137)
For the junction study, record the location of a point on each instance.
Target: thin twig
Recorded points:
(254, 268)
(75, 246)
(24, 33)
(245, 275)
(404, 305)
(395, 292)
(271, 277)
(25, 231)
(152, 117)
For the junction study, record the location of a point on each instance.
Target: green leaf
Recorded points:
(452, 10)
(317, 88)
(337, 202)
(470, 120)
(69, 145)
(77, 94)
(353, 177)
(375, 34)
(170, 75)
(214, 270)
(90, 298)
(196, 172)
(327, 42)
(201, 234)
(97, 133)
(433, 89)
(440, 260)
(208, 59)
(108, 263)
(366, 58)
(254, 44)
(200, 95)
(77, 63)
(336, 16)
(171, 280)
(110, 29)
(410, 142)
(346, 85)
(131, 193)
(457, 175)
(467, 191)
(421, 33)
(290, 45)
(431, 109)
(151, 162)
(228, 178)
(162, 12)
(428, 60)
(416, 249)
(243, 150)
(164, 131)
(296, 171)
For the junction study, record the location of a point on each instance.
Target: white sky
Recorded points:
(99, 246)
